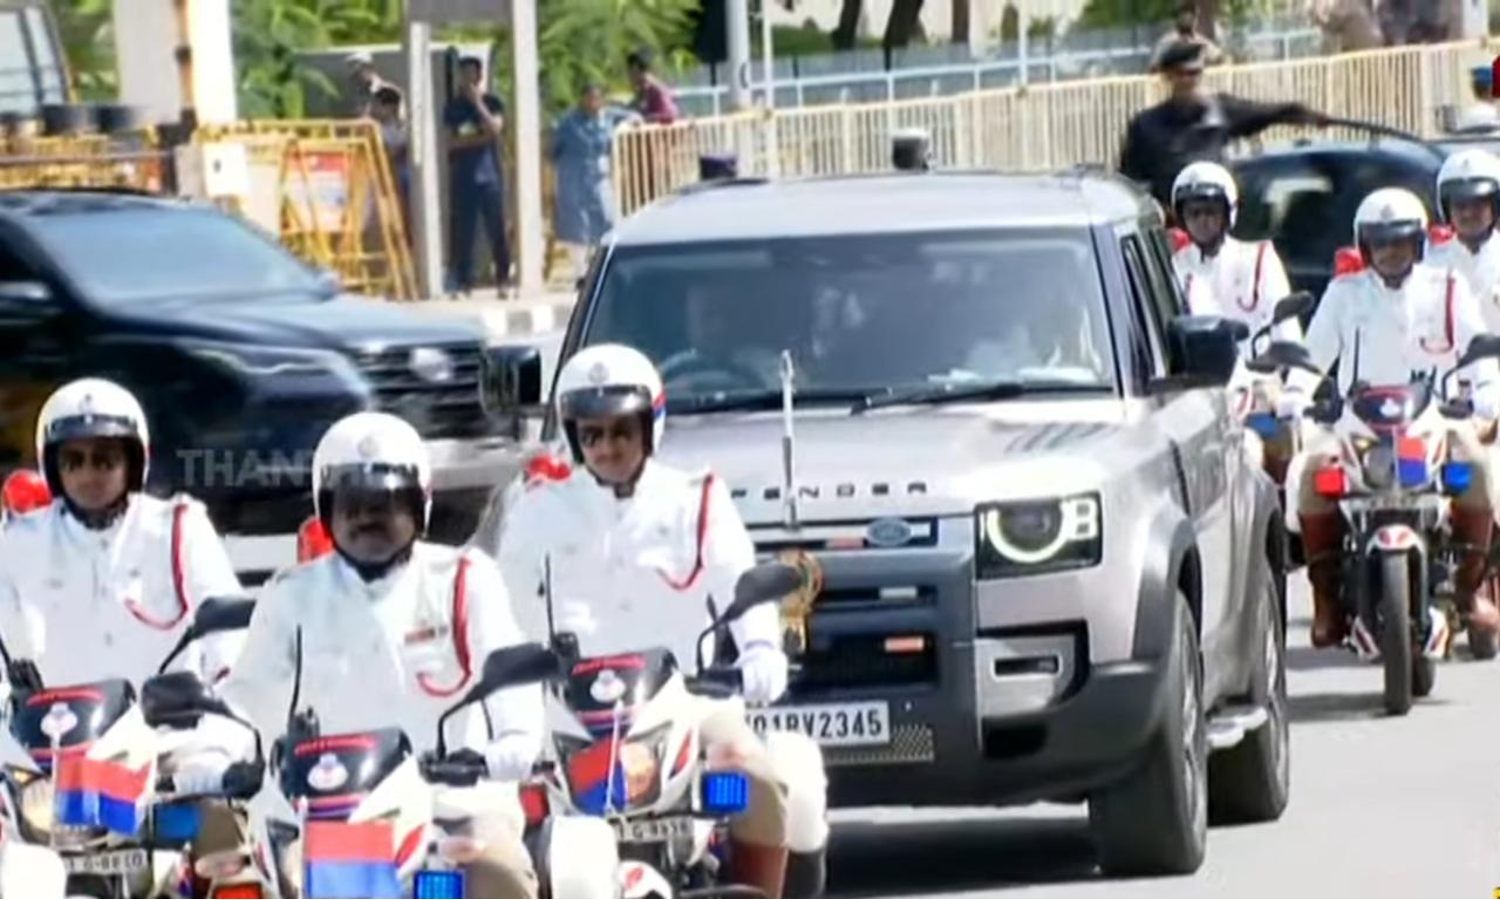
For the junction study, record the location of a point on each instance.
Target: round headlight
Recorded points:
(1380, 466)
(1031, 527)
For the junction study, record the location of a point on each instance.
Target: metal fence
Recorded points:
(868, 76)
(1045, 126)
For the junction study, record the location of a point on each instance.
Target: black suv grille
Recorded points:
(442, 409)
(863, 661)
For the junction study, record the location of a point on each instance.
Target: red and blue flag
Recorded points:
(589, 776)
(350, 859)
(1411, 461)
(101, 793)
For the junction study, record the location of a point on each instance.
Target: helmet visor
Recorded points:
(604, 402)
(72, 428)
(1470, 189)
(369, 478)
(1382, 234)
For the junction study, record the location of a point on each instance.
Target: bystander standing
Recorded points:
(581, 152)
(475, 119)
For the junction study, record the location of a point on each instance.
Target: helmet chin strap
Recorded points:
(97, 519)
(369, 572)
(621, 489)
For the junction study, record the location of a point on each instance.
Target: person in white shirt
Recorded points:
(1397, 316)
(636, 554)
(391, 630)
(1468, 199)
(1241, 280)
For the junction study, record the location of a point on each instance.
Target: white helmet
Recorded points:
(1390, 214)
(609, 380)
(372, 451)
(1206, 181)
(1468, 175)
(93, 408)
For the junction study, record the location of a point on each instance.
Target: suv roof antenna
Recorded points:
(788, 440)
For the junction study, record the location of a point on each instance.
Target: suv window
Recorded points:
(1147, 311)
(164, 253)
(861, 314)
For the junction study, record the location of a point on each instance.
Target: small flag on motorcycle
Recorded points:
(1411, 461)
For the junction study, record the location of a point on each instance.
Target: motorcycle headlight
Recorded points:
(1033, 536)
(36, 807)
(1379, 466)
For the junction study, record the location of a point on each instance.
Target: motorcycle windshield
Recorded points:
(335, 772)
(74, 716)
(595, 686)
(1391, 408)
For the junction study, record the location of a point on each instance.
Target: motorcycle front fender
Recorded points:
(579, 857)
(1396, 538)
(28, 870)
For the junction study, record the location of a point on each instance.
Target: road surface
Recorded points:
(1380, 807)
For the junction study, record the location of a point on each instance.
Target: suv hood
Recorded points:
(902, 462)
(344, 323)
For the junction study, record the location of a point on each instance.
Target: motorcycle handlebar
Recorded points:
(453, 771)
(717, 682)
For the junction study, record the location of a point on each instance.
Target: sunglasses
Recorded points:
(625, 430)
(99, 460)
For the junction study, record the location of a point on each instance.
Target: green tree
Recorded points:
(86, 28)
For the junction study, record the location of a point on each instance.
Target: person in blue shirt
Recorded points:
(581, 148)
(475, 120)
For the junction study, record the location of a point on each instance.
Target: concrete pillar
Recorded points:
(531, 245)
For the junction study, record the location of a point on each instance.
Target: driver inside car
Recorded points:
(1397, 317)
(731, 325)
(636, 555)
(390, 631)
(102, 582)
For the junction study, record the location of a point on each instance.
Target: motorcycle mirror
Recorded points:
(1484, 346)
(506, 667)
(761, 584)
(1293, 306)
(216, 614)
(178, 699)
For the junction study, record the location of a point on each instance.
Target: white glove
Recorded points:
(763, 672)
(511, 758)
(1292, 404)
(1486, 406)
(200, 776)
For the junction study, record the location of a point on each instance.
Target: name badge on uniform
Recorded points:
(426, 635)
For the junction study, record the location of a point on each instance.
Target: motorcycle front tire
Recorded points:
(1394, 613)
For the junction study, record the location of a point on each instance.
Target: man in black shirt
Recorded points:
(1194, 124)
(475, 119)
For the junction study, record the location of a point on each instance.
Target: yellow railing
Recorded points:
(1044, 126)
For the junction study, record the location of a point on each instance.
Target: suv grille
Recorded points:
(862, 661)
(444, 409)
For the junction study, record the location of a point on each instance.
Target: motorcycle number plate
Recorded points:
(110, 862)
(859, 724)
(653, 831)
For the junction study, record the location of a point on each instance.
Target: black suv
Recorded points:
(241, 354)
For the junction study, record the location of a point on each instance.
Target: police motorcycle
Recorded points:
(95, 794)
(1393, 483)
(1260, 384)
(364, 812)
(626, 752)
(26, 869)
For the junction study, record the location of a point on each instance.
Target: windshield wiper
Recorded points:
(958, 391)
(756, 401)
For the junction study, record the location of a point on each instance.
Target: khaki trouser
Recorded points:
(730, 742)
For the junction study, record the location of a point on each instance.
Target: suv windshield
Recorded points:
(862, 315)
(118, 256)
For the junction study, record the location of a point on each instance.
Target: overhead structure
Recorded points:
(176, 60)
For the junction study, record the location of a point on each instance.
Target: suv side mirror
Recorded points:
(512, 378)
(1206, 349)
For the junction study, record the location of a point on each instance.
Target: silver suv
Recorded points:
(1051, 572)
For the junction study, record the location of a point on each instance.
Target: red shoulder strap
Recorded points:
(702, 535)
(459, 627)
(1448, 313)
(1260, 258)
(179, 580)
